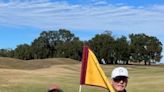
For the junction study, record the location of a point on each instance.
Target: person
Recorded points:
(55, 88)
(119, 79)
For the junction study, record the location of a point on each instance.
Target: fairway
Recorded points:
(142, 79)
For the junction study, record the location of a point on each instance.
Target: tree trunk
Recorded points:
(127, 62)
(145, 62)
(149, 63)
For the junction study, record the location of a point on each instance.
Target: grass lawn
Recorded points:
(142, 78)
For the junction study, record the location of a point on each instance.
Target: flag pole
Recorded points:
(80, 88)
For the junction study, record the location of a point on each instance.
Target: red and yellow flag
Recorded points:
(91, 72)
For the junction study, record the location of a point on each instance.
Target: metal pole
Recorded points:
(80, 88)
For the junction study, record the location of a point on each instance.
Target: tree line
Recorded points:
(62, 43)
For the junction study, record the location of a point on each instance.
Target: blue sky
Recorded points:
(21, 21)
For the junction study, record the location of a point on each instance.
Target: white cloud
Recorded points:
(100, 3)
(54, 15)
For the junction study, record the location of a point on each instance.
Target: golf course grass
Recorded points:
(41, 75)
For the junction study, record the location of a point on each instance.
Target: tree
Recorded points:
(121, 48)
(23, 52)
(145, 48)
(154, 49)
(6, 53)
(65, 38)
(60, 43)
(40, 48)
(74, 49)
(102, 46)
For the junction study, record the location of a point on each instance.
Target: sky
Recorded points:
(21, 21)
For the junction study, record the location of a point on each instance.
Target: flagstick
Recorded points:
(80, 88)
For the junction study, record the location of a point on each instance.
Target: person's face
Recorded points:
(119, 83)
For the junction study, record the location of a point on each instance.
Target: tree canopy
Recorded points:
(62, 43)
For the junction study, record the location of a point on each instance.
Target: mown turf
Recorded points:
(11, 63)
(142, 78)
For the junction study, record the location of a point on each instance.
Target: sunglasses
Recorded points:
(120, 78)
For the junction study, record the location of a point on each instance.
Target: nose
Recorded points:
(121, 81)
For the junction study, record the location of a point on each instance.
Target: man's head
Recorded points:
(119, 79)
(54, 88)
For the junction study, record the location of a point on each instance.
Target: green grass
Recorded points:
(38, 79)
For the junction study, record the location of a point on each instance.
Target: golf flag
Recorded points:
(91, 72)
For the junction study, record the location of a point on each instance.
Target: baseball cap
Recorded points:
(119, 71)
